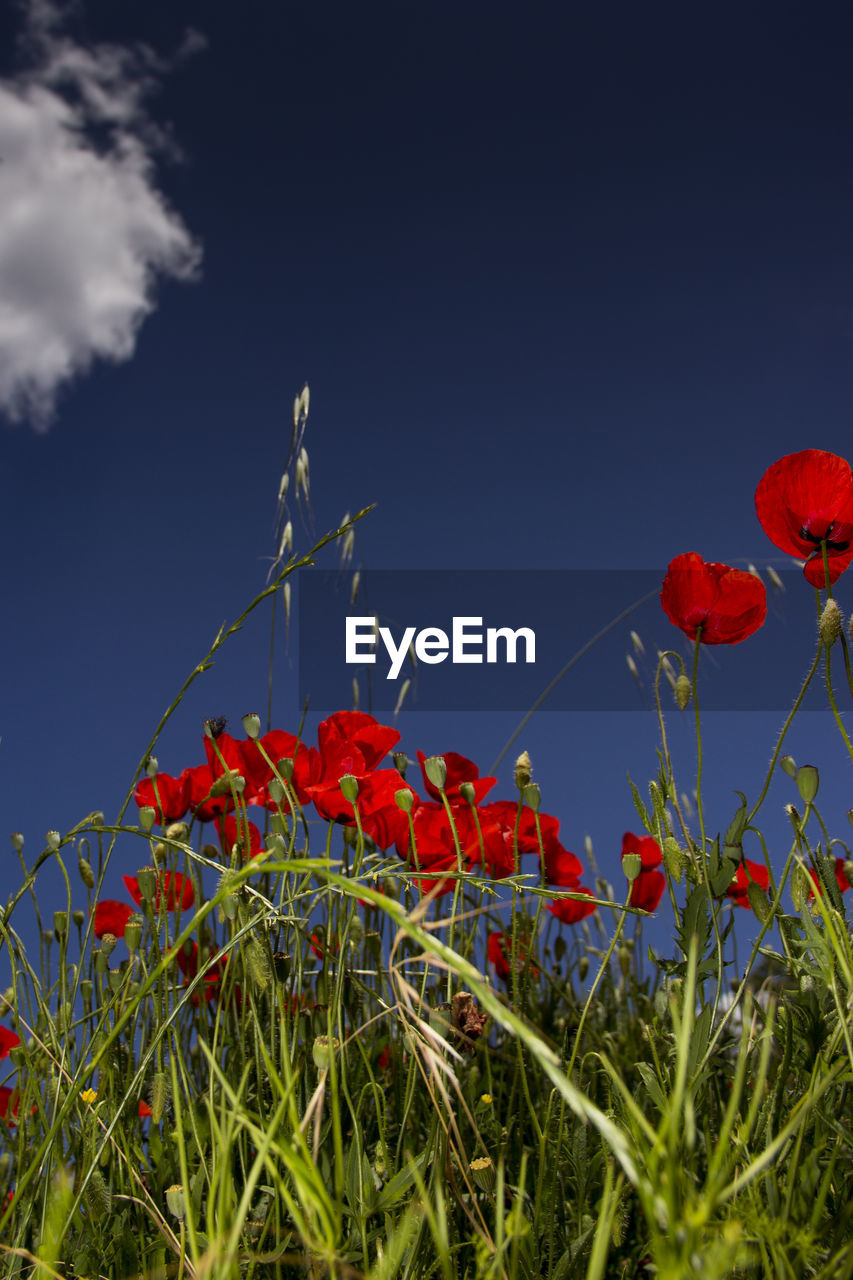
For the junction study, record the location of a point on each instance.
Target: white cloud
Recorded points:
(84, 231)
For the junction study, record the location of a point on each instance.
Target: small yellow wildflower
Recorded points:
(486, 1099)
(88, 1095)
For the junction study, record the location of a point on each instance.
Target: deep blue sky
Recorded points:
(564, 281)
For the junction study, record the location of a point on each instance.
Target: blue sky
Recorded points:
(563, 281)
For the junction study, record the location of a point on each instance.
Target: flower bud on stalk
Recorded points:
(349, 787)
(147, 817)
(531, 795)
(829, 627)
(53, 839)
(87, 875)
(252, 725)
(324, 1050)
(467, 792)
(523, 772)
(435, 769)
(17, 841)
(683, 691)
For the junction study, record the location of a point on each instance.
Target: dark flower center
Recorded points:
(830, 545)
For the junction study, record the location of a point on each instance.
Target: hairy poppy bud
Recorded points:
(788, 765)
(683, 691)
(829, 627)
(87, 875)
(152, 765)
(177, 831)
(523, 773)
(17, 841)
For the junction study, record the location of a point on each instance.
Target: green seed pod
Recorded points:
(401, 762)
(252, 725)
(147, 817)
(323, 1050)
(468, 792)
(17, 841)
(632, 865)
(435, 769)
(532, 796)
(483, 1173)
(60, 923)
(404, 799)
(807, 782)
(349, 787)
(133, 932)
(178, 831)
(53, 840)
(176, 1202)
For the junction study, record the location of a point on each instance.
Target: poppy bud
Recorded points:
(683, 691)
(53, 839)
(807, 782)
(79, 918)
(160, 1092)
(829, 627)
(800, 886)
(323, 1050)
(258, 960)
(152, 765)
(483, 1172)
(87, 875)
(147, 817)
(532, 796)
(98, 1195)
(176, 1201)
(788, 765)
(435, 769)
(252, 725)
(177, 831)
(285, 768)
(17, 841)
(404, 799)
(468, 792)
(522, 772)
(758, 900)
(349, 787)
(60, 923)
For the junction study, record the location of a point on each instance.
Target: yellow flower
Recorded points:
(486, 1099)
(88, 1095)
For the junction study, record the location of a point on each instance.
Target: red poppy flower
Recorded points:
(179, 891)
(232, 831)
(748, 872)
(500, 951)
(9, 1101)
(8, 1041)
(726, 604)
(111, 917)
(168, 796)
(646, 846)
(144, 1110)
(280, 745)
(805, 499)
(459, 769)
(199, 781)
(572, 910)
(648, 888)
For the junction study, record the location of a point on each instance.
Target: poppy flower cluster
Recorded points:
(804, 503)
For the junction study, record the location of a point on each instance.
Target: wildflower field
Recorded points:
(357, 1015)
